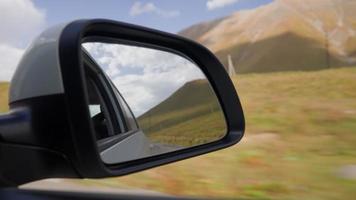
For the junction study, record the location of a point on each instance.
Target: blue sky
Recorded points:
(144, 71)
(22, 20)
(172, 15)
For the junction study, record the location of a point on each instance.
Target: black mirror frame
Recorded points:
(87, 160)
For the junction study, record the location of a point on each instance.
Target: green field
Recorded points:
(4, 87)
(301, 134)
(300, 138)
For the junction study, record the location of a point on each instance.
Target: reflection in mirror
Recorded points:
(163, 102)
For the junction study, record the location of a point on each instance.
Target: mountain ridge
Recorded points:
(330, 24)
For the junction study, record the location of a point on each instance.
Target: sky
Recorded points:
(168, 15)
(22, 20)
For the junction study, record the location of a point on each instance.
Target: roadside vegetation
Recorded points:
(299, 144)
(4, 87)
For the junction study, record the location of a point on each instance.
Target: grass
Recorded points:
(301, 129)
(4, 88)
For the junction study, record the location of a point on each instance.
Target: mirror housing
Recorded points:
(49, 129)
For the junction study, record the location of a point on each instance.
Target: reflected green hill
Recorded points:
(192, 105)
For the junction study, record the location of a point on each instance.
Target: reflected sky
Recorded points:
(145, 77)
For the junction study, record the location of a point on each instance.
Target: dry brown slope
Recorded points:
(312, 34)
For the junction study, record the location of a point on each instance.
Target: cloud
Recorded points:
(139, 8)
(215, 4)
(9, 58)
(145, 77)
(20, 21)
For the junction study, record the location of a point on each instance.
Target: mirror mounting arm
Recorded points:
(22, 162)
(15, 126)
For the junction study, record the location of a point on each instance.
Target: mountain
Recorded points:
(283, 35)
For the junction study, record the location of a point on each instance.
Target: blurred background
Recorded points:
(293, 65)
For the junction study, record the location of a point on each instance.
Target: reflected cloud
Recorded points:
(145, 77)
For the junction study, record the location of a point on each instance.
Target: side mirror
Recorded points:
(99, 98)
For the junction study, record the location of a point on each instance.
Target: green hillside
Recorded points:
(299, 141)
(194, 104)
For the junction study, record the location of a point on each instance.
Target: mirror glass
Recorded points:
(160, 101)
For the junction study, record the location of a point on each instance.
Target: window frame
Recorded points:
(113, 104)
